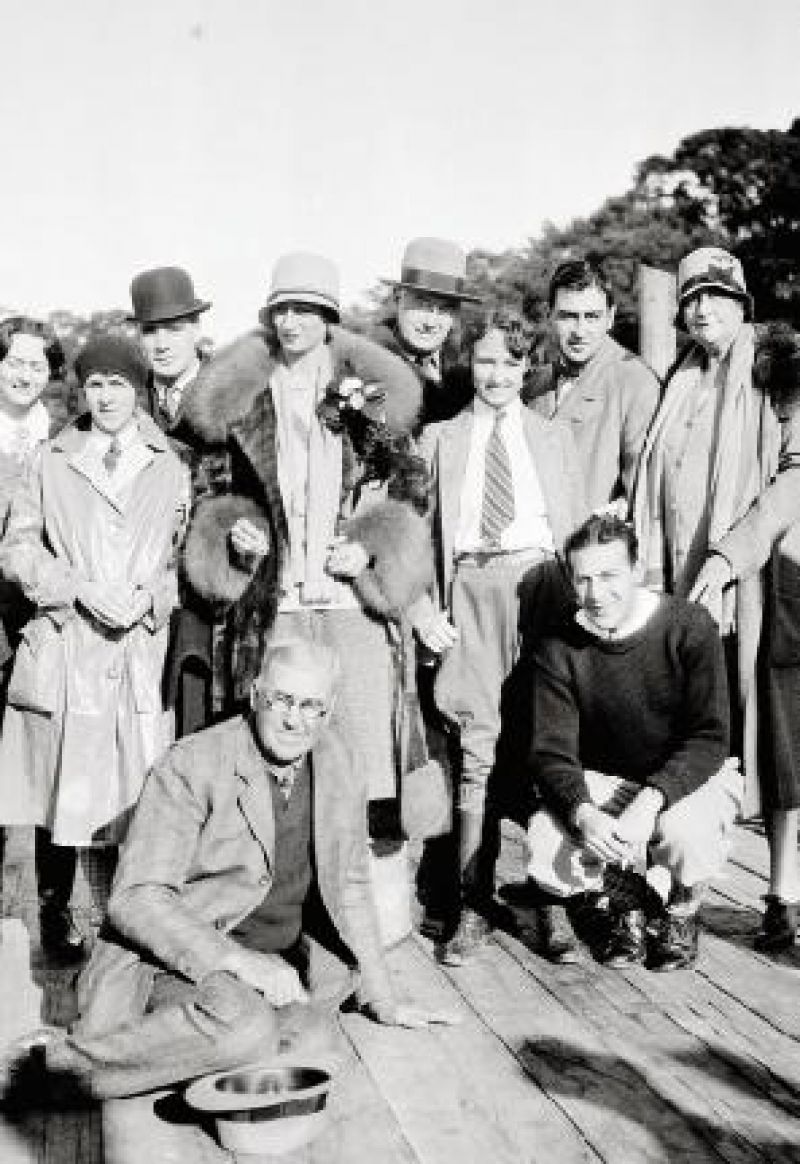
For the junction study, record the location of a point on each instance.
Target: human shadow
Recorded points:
(576, 1076)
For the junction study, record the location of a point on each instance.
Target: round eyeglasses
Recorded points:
(310, 710)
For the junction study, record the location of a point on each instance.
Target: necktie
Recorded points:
(112, 455)
(497, 511)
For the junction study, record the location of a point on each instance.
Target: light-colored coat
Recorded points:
(608, 409)
(85, 717)
(200, 857)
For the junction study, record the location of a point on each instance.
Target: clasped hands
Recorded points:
(345, 559)
(620, 840)
(117, 606)
(279, 983)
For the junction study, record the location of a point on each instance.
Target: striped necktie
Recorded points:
(497, 511)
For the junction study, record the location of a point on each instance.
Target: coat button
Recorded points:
(219, 924)
(263, 880)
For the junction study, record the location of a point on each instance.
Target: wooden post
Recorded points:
(657, 306)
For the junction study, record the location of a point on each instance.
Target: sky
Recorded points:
(219, 134)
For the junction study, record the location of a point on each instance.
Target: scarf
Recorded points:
(735, 472)
(309, 471)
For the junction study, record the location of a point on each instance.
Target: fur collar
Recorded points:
(226, 388)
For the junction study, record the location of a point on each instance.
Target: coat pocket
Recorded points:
(38, 676)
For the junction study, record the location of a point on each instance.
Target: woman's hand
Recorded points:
(346, 559)
(437, 633)
(249, 540)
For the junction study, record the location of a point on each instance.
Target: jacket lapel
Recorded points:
(545, 453)
(255, 435)
(452, 455)
(255, 799)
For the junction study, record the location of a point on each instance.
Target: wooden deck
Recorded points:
(549, 1064)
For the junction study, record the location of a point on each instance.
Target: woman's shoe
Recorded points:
(778, 925)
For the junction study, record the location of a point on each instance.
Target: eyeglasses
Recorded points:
(310, 710)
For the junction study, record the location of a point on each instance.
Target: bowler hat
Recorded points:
(436, 266)
(301, 277)
(164, 294)
(711, 269)
(110, 352)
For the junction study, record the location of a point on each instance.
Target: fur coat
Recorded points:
(230, 407)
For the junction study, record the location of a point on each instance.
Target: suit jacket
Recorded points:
(199, 858)
(446, 448)
(609, 409)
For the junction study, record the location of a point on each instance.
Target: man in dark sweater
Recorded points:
(630, 755)
(246, 859)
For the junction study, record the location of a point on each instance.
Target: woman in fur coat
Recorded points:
(315, 528)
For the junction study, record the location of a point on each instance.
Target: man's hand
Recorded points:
(404, 1015)
(269, 974)
(599, 835)
(249, 540)
(346, 559)
(437, 633)
(636, 824)
(714, 576)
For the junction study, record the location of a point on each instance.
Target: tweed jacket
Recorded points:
(446, 448)
(199, 858)
(609, 409)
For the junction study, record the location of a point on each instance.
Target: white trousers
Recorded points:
(692, 839)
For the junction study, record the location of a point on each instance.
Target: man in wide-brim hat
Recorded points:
(419, 327)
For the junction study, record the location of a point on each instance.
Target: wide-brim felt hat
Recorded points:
(437, 267)
(712, 269)
(303, 277)
(164, 294)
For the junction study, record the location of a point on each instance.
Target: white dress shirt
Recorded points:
(530, 529)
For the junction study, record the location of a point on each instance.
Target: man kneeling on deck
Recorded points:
(630, 756)
(249, 837)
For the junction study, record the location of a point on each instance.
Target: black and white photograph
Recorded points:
(400, 582)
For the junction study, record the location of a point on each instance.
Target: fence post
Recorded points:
(657, 306)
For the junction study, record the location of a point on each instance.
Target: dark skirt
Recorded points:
(780, 738)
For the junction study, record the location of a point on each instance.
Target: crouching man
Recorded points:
(630, 754)
(249, 837)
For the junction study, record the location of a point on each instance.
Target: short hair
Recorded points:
(519, 331)
(600, 529)
(300, 651)
(27, 325)
(578, 275)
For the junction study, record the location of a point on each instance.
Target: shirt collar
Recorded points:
(484, 410)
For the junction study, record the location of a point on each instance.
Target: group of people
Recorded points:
(266, 614)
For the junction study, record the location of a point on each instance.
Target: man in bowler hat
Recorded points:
(167, 312)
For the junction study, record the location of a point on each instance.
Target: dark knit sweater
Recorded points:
(652, 707)
(275, 925)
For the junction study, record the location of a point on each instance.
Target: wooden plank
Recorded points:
(457, 1092)
(584, 1070)
(657, 305)
(726, 1097)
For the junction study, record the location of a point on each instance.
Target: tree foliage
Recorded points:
(737, 188)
